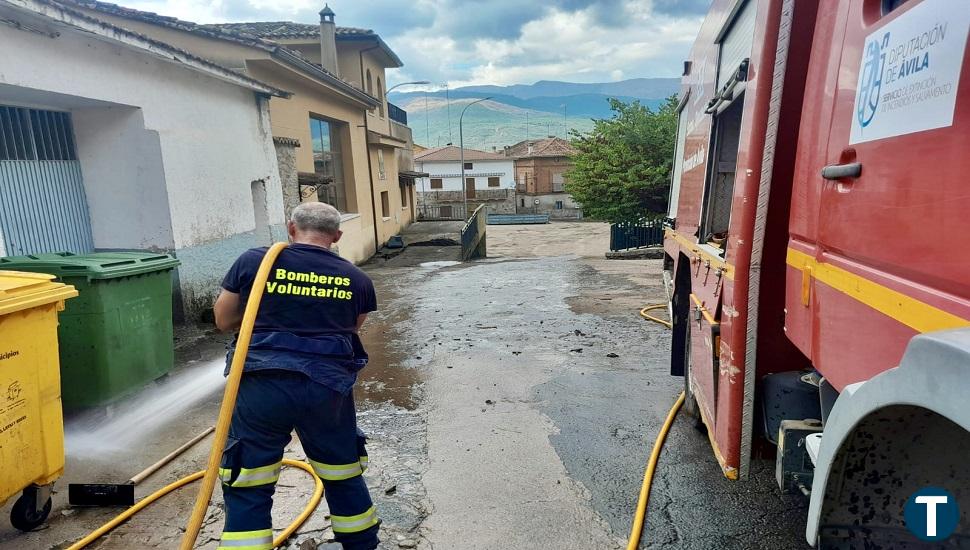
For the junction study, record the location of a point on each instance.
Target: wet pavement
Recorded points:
(510, 403)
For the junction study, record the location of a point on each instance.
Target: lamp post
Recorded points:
(416, 82)
(461, 149)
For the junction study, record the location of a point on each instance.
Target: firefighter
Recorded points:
(299, 374)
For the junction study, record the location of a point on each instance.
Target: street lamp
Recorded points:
(461, 149)
(416, 82)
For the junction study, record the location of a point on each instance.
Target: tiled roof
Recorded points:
(68, 8)
(546, 147)
(173, 22)
(451, 153)
(287, 55)
(286, 29)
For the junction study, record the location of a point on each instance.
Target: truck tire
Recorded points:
(690, 402)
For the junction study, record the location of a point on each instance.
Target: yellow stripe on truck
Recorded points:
(919, 316)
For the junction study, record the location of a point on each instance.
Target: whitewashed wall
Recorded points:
(169, 154)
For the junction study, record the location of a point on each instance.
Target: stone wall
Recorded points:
(499, 201)
(286, 159)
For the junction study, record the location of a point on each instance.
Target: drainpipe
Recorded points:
(370, 170)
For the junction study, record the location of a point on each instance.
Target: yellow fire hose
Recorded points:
(647, 316)
(638, 518)
(211, 473)
(641, 512)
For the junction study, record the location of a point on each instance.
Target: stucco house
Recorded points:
(335, 135)
(489, 179)
(114, 140)
(540, 177)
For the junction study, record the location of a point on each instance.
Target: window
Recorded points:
(370, 83)
(522, 203)
(436, 183)
(557, 183)
(328, 163)
(468, 166)
(31, 134)
(380, 96)
(558, 205)
(381, 173)
(493, 182)
(385, 205)
(405, 191)
(890, 5)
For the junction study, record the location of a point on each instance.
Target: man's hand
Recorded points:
(227, 311)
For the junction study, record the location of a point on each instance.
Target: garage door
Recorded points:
(42, 203)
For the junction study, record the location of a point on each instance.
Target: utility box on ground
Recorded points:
(31, 424)
(117, 336)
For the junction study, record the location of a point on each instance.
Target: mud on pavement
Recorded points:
(509, 403)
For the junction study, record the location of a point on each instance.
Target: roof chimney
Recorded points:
(328, 40)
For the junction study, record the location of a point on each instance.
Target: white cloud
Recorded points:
(496, 41)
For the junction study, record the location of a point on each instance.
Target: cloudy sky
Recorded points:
(493, 41)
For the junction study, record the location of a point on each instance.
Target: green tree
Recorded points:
(621, 171)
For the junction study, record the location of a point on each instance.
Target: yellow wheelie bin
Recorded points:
(31, 423)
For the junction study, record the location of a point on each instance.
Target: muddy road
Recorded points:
(510, 402)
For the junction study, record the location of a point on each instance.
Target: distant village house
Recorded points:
(489, 180)
(540, 177)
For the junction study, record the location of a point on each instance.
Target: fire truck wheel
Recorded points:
(690, 402)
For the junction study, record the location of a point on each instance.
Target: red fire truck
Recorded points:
(815, 253)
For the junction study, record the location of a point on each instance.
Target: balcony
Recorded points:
(397, 114)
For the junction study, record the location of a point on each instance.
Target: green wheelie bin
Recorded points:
(116, 336)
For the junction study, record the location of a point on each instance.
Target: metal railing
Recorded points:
(455, 212)
(397, 114)
(473, 235)
(636, 235)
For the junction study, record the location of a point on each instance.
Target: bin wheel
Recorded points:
(25, 516)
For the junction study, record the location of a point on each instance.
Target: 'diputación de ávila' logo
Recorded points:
(870, 82)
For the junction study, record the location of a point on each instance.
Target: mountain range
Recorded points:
(521, 111)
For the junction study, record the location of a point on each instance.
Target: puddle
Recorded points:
(387, 378)
(439, 264)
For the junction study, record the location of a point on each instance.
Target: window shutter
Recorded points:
(736, 44)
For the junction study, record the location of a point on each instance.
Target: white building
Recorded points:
(489, 179)
(114, 141)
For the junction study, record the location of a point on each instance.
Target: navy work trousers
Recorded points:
(271, 404)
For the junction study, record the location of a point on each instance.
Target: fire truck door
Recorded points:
(893, 203)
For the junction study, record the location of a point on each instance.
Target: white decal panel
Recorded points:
(910, 72)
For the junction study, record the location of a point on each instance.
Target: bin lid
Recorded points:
(20, 290)
(96, 265)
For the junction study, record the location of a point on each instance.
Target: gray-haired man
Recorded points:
(299, 374)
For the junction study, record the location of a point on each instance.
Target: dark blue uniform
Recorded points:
(300, 371)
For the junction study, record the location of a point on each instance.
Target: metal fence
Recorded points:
(473, 235)
(636, 235)
(428, 212)
(397, 114)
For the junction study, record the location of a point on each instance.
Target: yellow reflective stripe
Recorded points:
(247, 540)
(336, 472)
(354, 524)
(909, 311)
(363, 463)
(252, 477)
